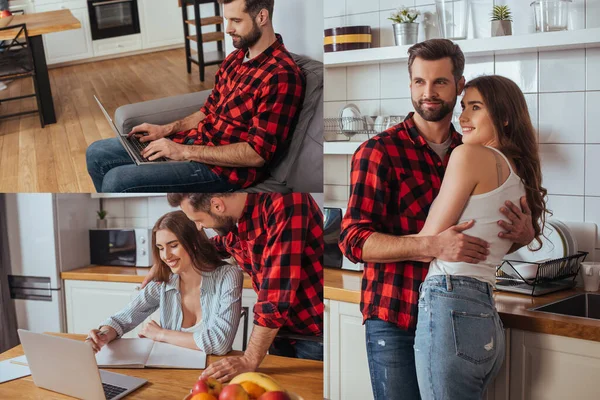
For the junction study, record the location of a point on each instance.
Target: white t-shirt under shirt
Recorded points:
(485, 210)
(442, 148)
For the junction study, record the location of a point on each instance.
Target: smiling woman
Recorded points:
(199, 295)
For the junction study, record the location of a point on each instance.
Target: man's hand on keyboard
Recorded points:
(149, 132)
(164, 148)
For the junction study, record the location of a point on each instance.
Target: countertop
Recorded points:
(118, 274)
(304, 377)
(513, 308)
(42, 23)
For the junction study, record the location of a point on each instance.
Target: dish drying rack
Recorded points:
(355, 128)
(551, 276)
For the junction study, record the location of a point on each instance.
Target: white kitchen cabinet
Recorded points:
(161, 23)
(346, 353)
(68, 45)
(550, 367)
(91, 302)
(248, 300)
(116, 45)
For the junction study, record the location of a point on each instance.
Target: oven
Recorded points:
(112, 18)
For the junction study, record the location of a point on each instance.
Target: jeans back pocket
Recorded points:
(474, 336)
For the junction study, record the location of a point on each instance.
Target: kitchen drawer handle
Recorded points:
(105, 3)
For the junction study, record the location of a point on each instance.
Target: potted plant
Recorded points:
(406, 30)
(501, 21)
(101, 222)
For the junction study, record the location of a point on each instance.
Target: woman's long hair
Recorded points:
(518, 140)
(203, 254)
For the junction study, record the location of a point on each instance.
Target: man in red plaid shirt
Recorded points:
(395, 177)
(278, 240)
(247, 119)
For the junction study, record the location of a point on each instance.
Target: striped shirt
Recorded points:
(220, 299)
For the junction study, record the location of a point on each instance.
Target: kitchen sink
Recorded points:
(585, 305)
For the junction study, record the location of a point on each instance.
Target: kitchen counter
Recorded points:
(513, 308)
(303, 377)
(118, 274)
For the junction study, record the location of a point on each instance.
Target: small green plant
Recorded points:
(101, 214)
(404, 15)
(501, 13)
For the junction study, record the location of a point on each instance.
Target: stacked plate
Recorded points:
(557, 242)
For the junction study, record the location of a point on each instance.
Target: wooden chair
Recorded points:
(16, 62)
(201, 58)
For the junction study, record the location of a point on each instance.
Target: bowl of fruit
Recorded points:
(5, 18)
(246, 386)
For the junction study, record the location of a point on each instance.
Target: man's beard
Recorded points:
(250, 39)
(433, 115)
(226, 225)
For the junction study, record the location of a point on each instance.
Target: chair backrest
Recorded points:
(20, 39)
(306, 146)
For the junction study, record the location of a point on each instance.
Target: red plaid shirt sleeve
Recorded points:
(280, 101)
(369, 195)
(282, 269)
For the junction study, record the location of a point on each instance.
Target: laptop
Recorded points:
(69, 367)
(131, 144)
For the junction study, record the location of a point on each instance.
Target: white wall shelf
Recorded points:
(547, 41)
(340, 147)
(124, 195)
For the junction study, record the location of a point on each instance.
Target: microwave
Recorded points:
(121, 247)
(332, 226)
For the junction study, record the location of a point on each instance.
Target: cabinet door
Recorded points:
(550, 367)
(89, 303)
(161, 23)
(68, 45)
(348, 366)
(248, 300)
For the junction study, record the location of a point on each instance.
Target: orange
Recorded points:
(203, 396)
(253, 390)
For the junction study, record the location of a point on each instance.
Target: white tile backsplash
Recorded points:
(566, 208)
(521, 68)
(363, 82)
(115, 208)
(533, 107)
(137, 222)
(396, 107)
(394, 80)
(335, 84)
(592, 68)
(334, 8)
(562, 117)
(136, 207)
(157, 207)
(336, 193)
(592, 166)
(361, 6)
(478, 66)
(592, 14)
(592, 214)
(562, 71)
(336, 170)
(592, 105)
(563, 168)
(334, 22)
(332, 109)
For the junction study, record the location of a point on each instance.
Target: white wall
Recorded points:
(300, 23)
(562, 89)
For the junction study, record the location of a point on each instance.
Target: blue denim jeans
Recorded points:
(391, 359)
(113, 171)
(459, 347)
(305, 349)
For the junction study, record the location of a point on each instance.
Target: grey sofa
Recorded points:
(299, 169)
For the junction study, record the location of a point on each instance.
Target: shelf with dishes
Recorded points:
(530, 43)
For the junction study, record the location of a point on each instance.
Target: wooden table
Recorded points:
(39, 24)
(303, 377)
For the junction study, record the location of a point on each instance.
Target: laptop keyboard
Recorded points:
(137, 147)
(111, 391)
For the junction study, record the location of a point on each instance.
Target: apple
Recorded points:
(210, 385)
(5, 13)
(275, 396)
(233, 391)
(203, 396)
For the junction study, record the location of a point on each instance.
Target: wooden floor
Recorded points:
(53, 159)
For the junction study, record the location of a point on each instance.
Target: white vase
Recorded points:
(406, 33)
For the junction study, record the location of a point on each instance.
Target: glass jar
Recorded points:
(452, 18)
(551, 15)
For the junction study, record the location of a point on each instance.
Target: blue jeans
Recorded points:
(305, 349)
(391, 361)
(459, 348)
(113, 171)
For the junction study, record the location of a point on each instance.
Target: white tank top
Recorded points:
(192, 328)
(485, 210)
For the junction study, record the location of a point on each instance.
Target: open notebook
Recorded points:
(140, 353)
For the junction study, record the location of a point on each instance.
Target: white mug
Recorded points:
(591, 276)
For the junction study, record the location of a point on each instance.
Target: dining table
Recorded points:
(39, 24)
